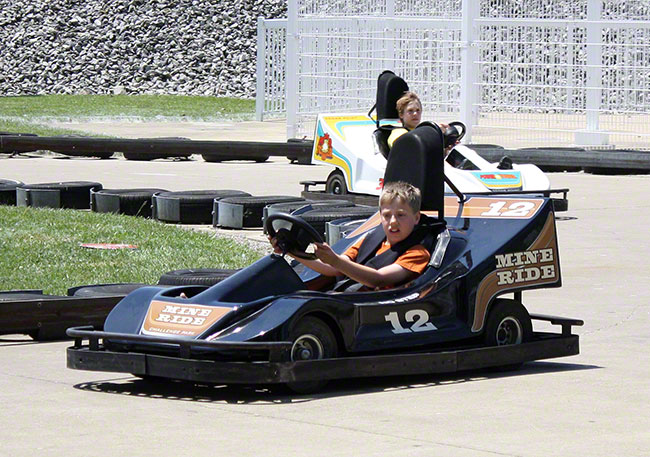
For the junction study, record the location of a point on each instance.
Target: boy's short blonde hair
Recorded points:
(404, 101)
(400, 190)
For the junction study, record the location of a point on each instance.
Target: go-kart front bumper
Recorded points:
(280, 369)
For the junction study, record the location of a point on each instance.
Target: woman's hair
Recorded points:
(401, 190)
(404, 101)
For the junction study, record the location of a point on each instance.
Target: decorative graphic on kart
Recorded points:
(325, 151)
(537, 265)
(177, 319)
(324, 147)
(510, 180)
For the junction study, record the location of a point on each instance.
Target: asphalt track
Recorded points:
(594, 404)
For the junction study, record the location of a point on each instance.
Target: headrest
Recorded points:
(417, 158)
(390, 88)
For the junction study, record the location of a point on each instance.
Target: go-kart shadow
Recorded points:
(278, 394)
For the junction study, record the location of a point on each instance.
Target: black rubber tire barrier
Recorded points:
(8, 191)
(145, 156)
(303, 155)
(196, 276)
(191, 206)
(19, 148)
(216, 157)
(243, 212)
(104, 290)
(289, 207)
(73, 194)
(133, 202)
(318, 218)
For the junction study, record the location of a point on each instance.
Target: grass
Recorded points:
(40, 249)
(30, 114)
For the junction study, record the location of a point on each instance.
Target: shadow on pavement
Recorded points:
(277, 394)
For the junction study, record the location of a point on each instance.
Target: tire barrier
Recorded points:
(196, 276)
(8, 191)
(46, 317)
(318, 218)
(247, 212)
(105, 290)
(299, 207)
(133, 202)
(189, 207)
(153, 155)
(212, 151)
(73, 194)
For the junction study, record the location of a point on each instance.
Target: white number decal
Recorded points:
(394, 320)
(421, 324)
(419, 316)
(517, 209)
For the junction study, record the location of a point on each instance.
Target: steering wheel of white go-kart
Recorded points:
(293, 234)
(452, 134)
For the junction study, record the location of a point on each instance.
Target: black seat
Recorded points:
(417, 158)
(390, 88)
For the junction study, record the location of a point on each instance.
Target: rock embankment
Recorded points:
(188, 47)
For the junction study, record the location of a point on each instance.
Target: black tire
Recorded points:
(196, 276)
(290, 207)
(104, 290)
(312, 339)
(215, 157)
(72, 194)
(318, 218)
(8, 191)
(146, 156)
(245, 212)
(133, 202)
(189, 207)
(336, 183)
(508, 323)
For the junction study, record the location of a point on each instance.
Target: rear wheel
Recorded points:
(508, 323)
(312, 340)
(336, 183)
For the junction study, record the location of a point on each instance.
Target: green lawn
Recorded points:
(40, 249)
(29, 114)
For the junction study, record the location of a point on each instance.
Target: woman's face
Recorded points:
(412, 115)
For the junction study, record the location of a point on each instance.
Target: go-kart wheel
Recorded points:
(336, 183)
(508, 323)
(312, 340)
(295, 238)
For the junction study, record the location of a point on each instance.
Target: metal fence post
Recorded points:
(259, 69)
(469, 68)
(292, 68)
(592, 136)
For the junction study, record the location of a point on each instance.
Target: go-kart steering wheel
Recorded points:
(295, 239)
(452, 135)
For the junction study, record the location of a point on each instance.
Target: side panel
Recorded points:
(527, 266)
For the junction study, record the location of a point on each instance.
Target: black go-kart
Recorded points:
(279, 322)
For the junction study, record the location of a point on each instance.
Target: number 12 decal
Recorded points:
(419, 317)
(517, 209)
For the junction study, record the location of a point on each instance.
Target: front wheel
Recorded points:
(508, 323)
(336, 183)
(312, 340)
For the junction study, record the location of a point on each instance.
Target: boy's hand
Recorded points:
(274, 244)
(325, 254)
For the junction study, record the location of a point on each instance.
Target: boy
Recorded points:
(399, 210)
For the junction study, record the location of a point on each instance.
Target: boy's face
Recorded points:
(397, 220)
(412, 115)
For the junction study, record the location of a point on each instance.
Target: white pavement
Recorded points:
(593, 404)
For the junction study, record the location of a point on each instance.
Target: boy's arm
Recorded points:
(368, 276)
